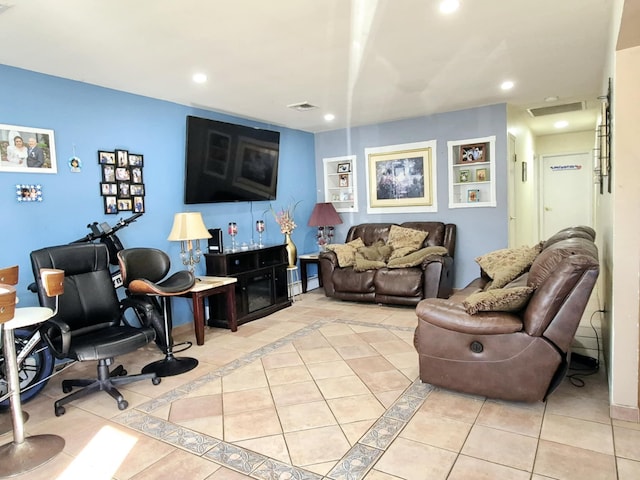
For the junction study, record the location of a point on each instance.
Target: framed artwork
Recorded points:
(136, 175)
(110, 206)
(464, 175)
(27, 150)
(124, 205)
(122, 158)
(122, 186)
(137, 189)
(108, 188)
(343, 180)
(138, 204)
(108, 173)
(481, 175)
(106, 158)
(136, 160)
(473, 153)
(124, 190)
(400, 178)
(473, 195)
(344, 167)
(28, 193)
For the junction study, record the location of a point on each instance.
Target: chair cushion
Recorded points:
(498, 300)
(109, 342)
(504, 265)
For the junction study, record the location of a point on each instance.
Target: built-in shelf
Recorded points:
(472, 173)
(340, 183)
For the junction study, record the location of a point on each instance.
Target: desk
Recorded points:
(206, 287)
(304, 261)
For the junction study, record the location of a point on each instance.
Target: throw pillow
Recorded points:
(400, 237)
(506, 264)
(498, 300)
(414, 259)
(346, 252)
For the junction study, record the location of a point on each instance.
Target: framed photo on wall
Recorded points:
(473, 153)
(27, 150)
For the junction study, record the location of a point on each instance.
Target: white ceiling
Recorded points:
(365, 61)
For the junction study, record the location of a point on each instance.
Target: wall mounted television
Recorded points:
(229, 163)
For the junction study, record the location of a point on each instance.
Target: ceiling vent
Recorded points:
(555, 109)
(302, 106)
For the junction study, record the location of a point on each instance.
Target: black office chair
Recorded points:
(144, 274)
(89, 323)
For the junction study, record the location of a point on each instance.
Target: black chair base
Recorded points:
(170, 366)
(106, 382)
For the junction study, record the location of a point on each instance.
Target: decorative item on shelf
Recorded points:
(324, 216)
(260, 230)
(464, 176)
(233, 231)
(187, 227)
(473, 196)
(284, 218)
(481, 175)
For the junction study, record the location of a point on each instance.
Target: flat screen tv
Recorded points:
(229, 163)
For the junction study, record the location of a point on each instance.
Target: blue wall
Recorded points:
(86, 119)
(480, 229)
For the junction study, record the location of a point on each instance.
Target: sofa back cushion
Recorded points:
(370, 233)
(439, 234)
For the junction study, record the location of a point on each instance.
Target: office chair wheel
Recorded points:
(66, 388)
(123, 405)
(123, 373)
(156, 380)
(59, 411)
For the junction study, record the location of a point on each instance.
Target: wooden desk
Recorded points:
(205, 287)
(304, 261)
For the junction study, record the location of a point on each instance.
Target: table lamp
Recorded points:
(187, 227)
(324, 216)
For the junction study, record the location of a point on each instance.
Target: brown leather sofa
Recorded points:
(521, 355)
(399, 286)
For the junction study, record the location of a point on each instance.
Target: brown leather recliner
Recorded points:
(519, 356)
(399, 286)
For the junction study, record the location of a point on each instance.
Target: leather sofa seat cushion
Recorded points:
(404, 282)
(348, 280)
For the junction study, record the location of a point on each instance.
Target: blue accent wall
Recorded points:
(87, 118)
(480, 229)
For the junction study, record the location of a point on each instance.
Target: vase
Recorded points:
(292, 251)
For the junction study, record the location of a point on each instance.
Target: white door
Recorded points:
(567, 190)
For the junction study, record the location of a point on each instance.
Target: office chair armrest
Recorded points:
(57, 335)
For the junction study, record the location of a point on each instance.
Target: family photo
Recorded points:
(26, 150)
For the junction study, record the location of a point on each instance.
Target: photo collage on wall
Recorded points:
(122, 186)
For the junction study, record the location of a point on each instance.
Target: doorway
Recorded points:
(566, 185)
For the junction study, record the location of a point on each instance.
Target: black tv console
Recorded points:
(262, 282)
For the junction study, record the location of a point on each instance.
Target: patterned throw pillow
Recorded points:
(506, 264)
(405, 240)
(378, 252)
(414, 259)
(362, 264)
(346, 252)
(498, 300)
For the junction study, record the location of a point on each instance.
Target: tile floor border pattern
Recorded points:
(358, 460)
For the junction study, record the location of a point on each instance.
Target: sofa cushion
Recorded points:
(378, 252)
(407, 238)
(415, 258)
(504, 265)
(346, 252)
(498, 300)
(362, 263)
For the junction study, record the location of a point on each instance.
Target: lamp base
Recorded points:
(170, 366)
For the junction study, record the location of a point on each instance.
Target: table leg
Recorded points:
(198, 318)
(232, 318)
(303, 275)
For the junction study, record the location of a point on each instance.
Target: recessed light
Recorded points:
(449, 6)
(552, 98)
(199, 77)
(561, 124)
(329, 117)
(508, 85)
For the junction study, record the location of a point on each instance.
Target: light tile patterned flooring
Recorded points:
(327, 389)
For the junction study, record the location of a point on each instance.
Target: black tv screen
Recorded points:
(229, 163)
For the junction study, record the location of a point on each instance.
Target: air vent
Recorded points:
(302, 106)
(555, 109)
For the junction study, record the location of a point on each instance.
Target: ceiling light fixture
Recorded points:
(561, 124)
(552, 98)
(199, 77)
(449, 6)
(507, 85)
(329, 117)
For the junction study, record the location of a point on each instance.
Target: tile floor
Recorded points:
(327, 389)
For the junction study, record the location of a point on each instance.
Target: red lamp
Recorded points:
(324, 216)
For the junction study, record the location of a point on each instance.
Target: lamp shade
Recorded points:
(188, 226)
(324, 214)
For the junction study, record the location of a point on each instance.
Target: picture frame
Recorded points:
(124, 205)
(137, 189)
(124, 190)
(138, 204)
(110, 205)
(473, 195)
(135, 174)
(17, 156)
(108, 173)
(481, 175)
(344, 167)
(123, 174)
(122, 158)
(28, 193)
(343, 180)
(136, 160)
(108, 188)
(473, 153)
(106, 158)
(400, 178)
(464, 176)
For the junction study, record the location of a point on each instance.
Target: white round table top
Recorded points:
(27, 316)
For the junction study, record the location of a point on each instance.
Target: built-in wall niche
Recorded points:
(122, 185)
(472, 172)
